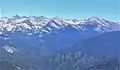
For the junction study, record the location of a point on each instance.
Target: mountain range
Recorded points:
(34, 42)
(50, 34)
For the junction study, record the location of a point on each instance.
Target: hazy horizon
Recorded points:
(70, 9)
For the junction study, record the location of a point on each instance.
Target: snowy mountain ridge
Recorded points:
(46, 25)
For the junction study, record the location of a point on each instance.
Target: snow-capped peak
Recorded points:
(99, 21)
(93, 19)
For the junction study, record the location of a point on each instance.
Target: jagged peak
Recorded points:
(94, 19)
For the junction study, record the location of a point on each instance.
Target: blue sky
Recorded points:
(79, 9)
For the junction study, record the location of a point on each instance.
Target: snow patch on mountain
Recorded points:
(10, 49)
